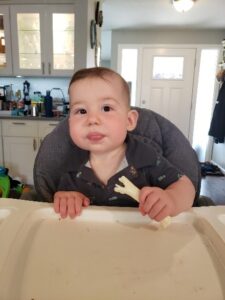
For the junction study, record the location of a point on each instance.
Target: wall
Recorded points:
(105, 63)
(218, 155)
(163, 37)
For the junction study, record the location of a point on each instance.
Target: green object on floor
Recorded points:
(4, 183)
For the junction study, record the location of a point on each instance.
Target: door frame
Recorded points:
(198, 47)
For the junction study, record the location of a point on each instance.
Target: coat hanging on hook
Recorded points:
(217, 126)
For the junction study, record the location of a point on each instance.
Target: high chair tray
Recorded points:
(109, 254)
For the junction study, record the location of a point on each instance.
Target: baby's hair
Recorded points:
(100, 72)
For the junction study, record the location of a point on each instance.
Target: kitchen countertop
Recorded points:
(40, 118)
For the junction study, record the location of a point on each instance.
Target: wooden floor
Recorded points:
(214, 188)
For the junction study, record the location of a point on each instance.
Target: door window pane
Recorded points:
(2, 43)
(168, 67)
(63, 41)
(29, 40)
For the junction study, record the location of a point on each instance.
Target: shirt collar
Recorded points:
(139, 153)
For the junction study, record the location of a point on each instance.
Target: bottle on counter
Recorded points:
(20, 107)
(39, 100)
(34, 109)
(48, 104)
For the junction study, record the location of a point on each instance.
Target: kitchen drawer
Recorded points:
(45, 127)
(19, 128)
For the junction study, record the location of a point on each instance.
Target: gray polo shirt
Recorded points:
(142, 165)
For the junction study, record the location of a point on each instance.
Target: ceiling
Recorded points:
(142, 14)
(156, 14)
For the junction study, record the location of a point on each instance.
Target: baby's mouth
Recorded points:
(95, 136)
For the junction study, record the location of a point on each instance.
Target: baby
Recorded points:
(101, 121)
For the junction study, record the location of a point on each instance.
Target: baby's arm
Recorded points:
(158, 203)
(69, 203)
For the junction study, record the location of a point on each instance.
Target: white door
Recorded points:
(167, 82)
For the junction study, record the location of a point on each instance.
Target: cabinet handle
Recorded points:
(40, 141)
(34, 144)
(49, 68)
(43, 68)
(19, 123)
(52, 124)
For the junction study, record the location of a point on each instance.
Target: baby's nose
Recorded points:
(93, 118)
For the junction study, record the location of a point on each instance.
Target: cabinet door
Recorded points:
(19, 156)
(45, 127)
(5, 46)
(23, 128)
(43, 39)
(27, 23)
(61, 40)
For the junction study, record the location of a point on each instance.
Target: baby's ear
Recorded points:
(132, 118)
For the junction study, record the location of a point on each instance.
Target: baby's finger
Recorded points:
(63, 207)
(144, 193)
(156, 209)
(71, 207)
(86, 202)
(56, 204)
(149, 203)
(162, 214)
(78, 206)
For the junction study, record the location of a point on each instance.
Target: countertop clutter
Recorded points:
(13, 103)
(110, 253)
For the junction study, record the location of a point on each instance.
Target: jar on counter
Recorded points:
(34, 110)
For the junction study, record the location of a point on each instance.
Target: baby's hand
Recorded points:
(69, 203)
(156, 203)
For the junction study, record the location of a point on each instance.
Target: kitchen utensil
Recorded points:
(58, 100)
(26, 97)
(6, 92)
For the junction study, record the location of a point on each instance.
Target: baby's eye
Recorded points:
(106, 108)
(81, 111)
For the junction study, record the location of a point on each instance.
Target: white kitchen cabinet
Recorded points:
(21, 141)
(43, 39)
(45, 127)
(19, 156)
(5, 42)
(20, 146)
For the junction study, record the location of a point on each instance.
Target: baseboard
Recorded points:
(222, 170)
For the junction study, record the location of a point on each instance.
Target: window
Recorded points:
(129, 70)
(204, 101)
(167, 67)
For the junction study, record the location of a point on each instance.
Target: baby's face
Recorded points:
(99, 114)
